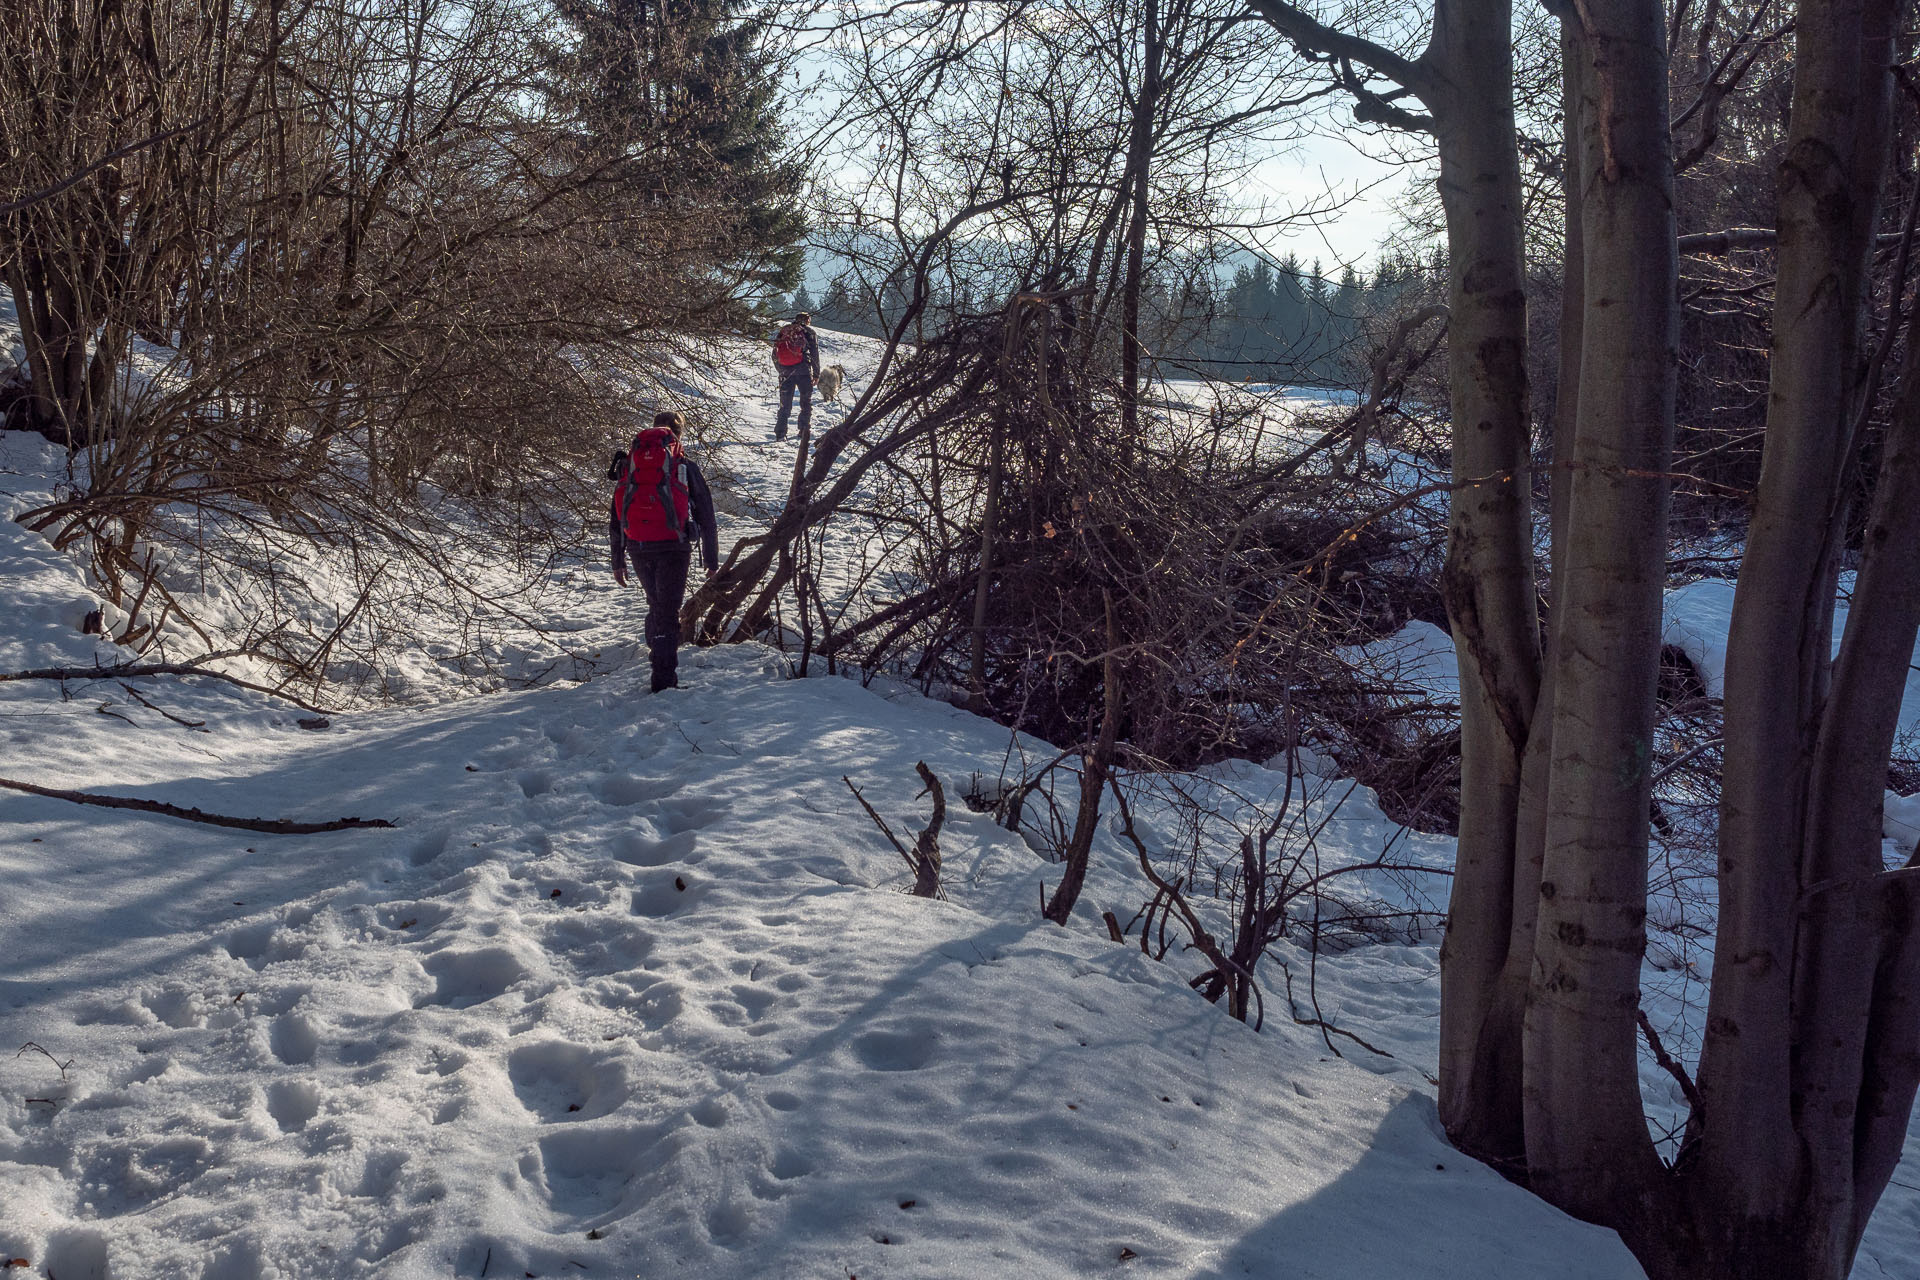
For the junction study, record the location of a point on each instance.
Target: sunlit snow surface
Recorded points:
(634, 989)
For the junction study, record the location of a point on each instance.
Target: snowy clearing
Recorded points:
(633, 988)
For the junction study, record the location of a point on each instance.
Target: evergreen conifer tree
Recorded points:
(680, 101)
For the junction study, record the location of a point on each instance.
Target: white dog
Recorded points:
(829, 382)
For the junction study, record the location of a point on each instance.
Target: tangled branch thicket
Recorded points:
(367, 273)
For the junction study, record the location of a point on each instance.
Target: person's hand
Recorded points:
(620, 575)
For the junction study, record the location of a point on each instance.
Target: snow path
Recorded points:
(634, 988)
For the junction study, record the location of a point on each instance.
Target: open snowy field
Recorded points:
(633, 988)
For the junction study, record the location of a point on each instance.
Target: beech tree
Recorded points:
(1812, 1049)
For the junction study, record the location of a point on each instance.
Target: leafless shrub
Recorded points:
(362, 285)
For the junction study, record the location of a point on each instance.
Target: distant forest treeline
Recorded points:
(1269, 323)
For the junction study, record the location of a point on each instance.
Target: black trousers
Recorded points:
(799, 378)
(662, 570)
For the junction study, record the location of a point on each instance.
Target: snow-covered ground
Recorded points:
(633, 988)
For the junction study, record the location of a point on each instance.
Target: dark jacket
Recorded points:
(811, 364)
(700, 518)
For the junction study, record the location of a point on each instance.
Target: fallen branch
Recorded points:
(153, 669)
(270, 826)
(135, 694)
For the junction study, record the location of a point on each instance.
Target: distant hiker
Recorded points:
(660, 502)
(796, 357)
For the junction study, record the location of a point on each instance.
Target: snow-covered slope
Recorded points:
(633, 988)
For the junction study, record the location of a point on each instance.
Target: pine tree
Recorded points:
(681, 102)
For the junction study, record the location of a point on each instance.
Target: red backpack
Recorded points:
(790, 348)
(652, 497)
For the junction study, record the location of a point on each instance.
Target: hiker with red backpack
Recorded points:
(796, 358)
(660, 502)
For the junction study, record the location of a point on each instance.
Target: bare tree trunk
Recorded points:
(1465, 79)
(1489, 576)
(1754, 1171)
(1497, 1069)
(1096, 768)
(1857, 1038)
(1139, 161)
(990, 514)
(1587, 1144)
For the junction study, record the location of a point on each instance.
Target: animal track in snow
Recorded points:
(380, 1174)
(659, 1004)
(534, 782)
(78, 1255)
(237, 1260)
(269, 942)
(176, 1006)
(728, 1221)
(120, 1179)
(429, 846)
(250, 943)
(414, 919)
(755, 1000)
(595, 946)
(789, 1165)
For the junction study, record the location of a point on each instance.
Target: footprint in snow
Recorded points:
(585, 1173)
(429, 846)
(664, 895)
(292, 1103)
(636, 850)
(557, 1080)
(622, 789)
(466, 978)
(908, 1050)
(77, 1255)
(413, 920)
(690, 814)
(294, 1039)
(755, 1000)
